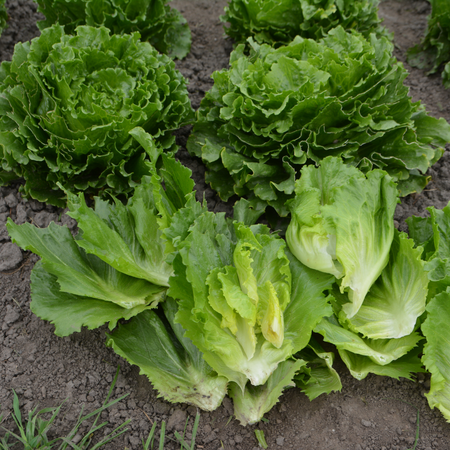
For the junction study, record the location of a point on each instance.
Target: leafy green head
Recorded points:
(73, 110)
(165, 28)
(233, 283)
(276, 22)
(343, 224)
(278, 109)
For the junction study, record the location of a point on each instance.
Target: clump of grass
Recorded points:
(149, 443)
(33, 430)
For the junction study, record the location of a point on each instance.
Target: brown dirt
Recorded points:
(377, 413)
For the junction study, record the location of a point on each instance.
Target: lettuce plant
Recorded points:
(277, 22)
(342, 223)
(248, 305)
(118, 267)
(164, 27)
(238, 309)
(434, 50)
(86, 111)
(118, 264)
(278, 109)
(382, 338)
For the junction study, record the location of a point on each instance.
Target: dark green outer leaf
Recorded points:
(174, 366)
(69, 312)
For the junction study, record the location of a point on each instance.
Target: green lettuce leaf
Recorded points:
(78, 273)
(251, 404)
(171, 362)
(405, 367)
(381, 351)
(398, 297)
(436, 353)
(342, 224)
(433, 233)
(318, 376)
(277, 22)
(120, 255)
(70, 312)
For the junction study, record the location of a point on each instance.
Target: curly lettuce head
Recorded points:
(164, 27)
(69, 105)
(277, 22)
(278, 109)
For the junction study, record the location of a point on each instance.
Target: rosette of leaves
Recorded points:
(383, 336)
(276, 22)
(434, 50)
(164, 27)
(74, 110)
(248, 305)
(343, 224)
(3, 15)
(278, 109)
(118, 265)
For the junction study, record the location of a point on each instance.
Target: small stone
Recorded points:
(10, 256)
(366, 423)
(21, 214)
(177, 420)
(161, 407)
(11, 200)
(210, 437)
(238, 439)
(76, 438)
(35, 205)
(399, 431)
(5, 354)
(11, 315)
(192, 410)
(134, 441)
(28, 394)
(280, 441)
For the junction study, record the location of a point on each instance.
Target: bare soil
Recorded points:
(377, 413)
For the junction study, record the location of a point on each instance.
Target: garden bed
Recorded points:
(373, 414)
